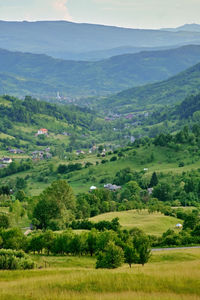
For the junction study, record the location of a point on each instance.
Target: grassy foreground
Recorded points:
(170, 275)
(155, 223)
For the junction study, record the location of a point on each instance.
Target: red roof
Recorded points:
(43, 129)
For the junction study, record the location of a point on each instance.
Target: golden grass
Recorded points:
(155, 223)
(156, 280)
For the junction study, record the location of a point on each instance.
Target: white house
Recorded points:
(179, 226)
(93, 188)
(6, 160)
(42, 131)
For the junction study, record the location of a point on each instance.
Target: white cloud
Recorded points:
(61, 7)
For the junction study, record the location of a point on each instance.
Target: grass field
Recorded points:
(155, 223)
(173, 275)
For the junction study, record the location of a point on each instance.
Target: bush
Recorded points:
(111, 258)
(114, 158)
(14, 260)
(4, 221)
(181, 164)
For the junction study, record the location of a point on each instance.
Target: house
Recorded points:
(132, 139)
(129, 117)
(93, 188)
(179, 226)
(37, 154)
(112, 187)
(47, 155)
(146, 169)
(79, 152)
(66, 133)
(16, 151)
(93, 149)
(150, 191)
(6, 160)
(103, 153)
(2, 166)
(42, 131)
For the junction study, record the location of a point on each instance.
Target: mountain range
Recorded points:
(57, 38)
(41, 75)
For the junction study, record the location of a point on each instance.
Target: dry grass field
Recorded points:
(173, 275)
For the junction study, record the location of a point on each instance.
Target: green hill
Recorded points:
(155, 224)
(170, 91)
(43, 76)
(68, 126)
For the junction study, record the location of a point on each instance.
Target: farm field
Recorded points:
(154, 223)
(169, 275)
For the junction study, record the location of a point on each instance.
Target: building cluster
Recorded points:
(41, 154)
(108, 186)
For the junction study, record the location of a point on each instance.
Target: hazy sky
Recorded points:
(127, 13)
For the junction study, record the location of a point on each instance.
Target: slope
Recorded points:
(156, 223)
(41, 75)
(170, 91)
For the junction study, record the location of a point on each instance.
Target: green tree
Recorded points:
(112, 257)
(20, 195)
(154, 180)
(163, 191)
(21, 183)
(141, 245)
(55, 206)
(4, 221)
(92, 241)
(130, 255)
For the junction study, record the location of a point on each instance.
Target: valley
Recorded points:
(99, 161)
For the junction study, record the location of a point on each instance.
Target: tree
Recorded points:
(13, 238)
(36, 243)
(141, 245)
(55, 206)
(112, 257)
(154, 180)
(21, 183)
(92, 241)
(17, 210)
(47, 240)
(131, 191)
(130, 255)
(163, 192)
(4, 221)
(20, 195)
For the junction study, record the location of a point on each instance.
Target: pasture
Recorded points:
(173, 275)
(154, 223)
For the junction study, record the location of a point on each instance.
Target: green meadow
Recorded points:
(154, 223)
(170, 275)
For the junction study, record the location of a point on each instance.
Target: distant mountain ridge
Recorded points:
(59, 37)
(186, 27)
(39, 75)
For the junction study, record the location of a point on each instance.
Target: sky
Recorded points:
(124, 13)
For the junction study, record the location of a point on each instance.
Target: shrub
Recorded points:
(14, 260)
(111, 258)
(4, 221)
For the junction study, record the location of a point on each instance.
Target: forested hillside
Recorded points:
(68, 126)
(167, 92)
(43, 76)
